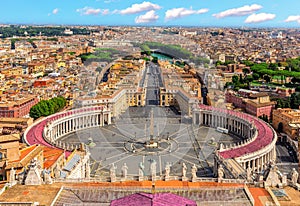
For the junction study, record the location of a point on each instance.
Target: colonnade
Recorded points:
(234, 124)
(259, 163)
(256, 158)
(60, 127)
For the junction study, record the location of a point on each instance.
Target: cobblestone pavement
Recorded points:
(180, 142)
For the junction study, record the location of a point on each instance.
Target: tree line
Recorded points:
(267, 72)
(173, 50)
(14, 30)
(47, 107)
(291, 102)
(272, 70)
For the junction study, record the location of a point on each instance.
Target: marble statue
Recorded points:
(249, 174)
(141, 171)
(124, 170)
(167, 169)
(284, 180)
(47, 177)
(12, 176)
(153, 168)
(57, 172)
(112, 172)
(294, 177)
(273, 176)
(220, 172)
(184, 168)
(33, 176)
(194, 172)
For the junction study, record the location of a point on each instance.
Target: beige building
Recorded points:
(181, 88)
(287, 120)
(15, 71)
(121, 90)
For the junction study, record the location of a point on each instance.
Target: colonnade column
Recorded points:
(109, 118)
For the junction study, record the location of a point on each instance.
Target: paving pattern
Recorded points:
(178, 142)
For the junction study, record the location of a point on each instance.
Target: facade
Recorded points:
(16, 121)
(157, 199)
(26, 156)
(36, 67)
(9, 151)
(54, 159)
(252, 102)
(120, 89)
(287, 120)
(18, 107)
(285, 92)
(15, 71)
(11, 125)
(260, 105)
(180, 88)
(43, 82)
(16, 156)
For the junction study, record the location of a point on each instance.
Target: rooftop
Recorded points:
(45, 194)
(51, 155)
(26, 155)
(9, 138)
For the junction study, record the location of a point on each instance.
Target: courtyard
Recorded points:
(125, 141)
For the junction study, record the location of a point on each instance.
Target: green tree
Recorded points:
(295, 101)
(35, 112)
(267, 78)
(279, 103)
(245, 71)
(154, 59)
(241, 80)
(50, 106)
(273, 66)
(255, 76)
(249, 78)
(47, 107)
(235, 79)
(44, 109)
(295, 80)
(248, 63)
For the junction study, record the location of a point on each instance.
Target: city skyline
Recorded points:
(153, 13)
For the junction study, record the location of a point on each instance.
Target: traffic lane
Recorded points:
(285, 153)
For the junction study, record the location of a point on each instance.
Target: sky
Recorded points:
(224, 13)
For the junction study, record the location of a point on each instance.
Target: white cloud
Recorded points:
(150, 16)
(256, 18)
(241, 11)
(55, 11)
(181, 12)
(91, 11)
(109, 1)
(293, 18)
(105, 11)
(137, 8)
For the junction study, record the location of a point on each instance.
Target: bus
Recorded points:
(222, 130)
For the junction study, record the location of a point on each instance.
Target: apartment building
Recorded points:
(287, 120)
(16, 106)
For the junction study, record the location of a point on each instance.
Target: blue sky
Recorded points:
(236, 13)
